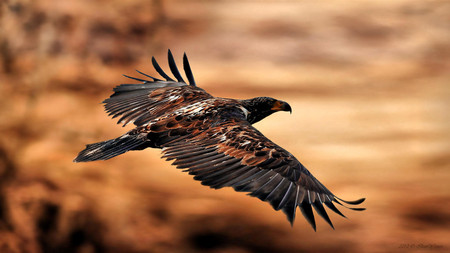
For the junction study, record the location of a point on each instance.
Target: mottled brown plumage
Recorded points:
(213, 139)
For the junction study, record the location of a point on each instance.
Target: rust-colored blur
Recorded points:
(368, 82)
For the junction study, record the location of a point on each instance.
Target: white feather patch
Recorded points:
(244, 110)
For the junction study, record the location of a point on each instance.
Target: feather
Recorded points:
(191, 161)
(308, 214)
(173, 67)
(351, 208)
(249, 183)
(354, 202)
(321, 211)
(333, 208)
(209, 173)
(188, 153)
(251, 173)
(212, 163)
(242, 171)
(137, 79)
(289, 209)
(286, 196)
(275, 190)
(160, 71)
(188, 71)
(154, 78)
(263, 191)
(204, 158)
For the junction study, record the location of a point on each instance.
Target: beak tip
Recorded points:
(288, 108)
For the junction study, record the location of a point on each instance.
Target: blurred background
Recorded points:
(368, 82)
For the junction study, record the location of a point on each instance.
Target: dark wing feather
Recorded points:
(160, 71)
(173, 67)
(154, 78)
(188, 71)
(233, 153)
(142, 103)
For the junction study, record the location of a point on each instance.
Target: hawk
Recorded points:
(213, 139)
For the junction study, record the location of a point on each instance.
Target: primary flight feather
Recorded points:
(213, 139)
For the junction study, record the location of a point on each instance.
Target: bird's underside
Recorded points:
(213, 139)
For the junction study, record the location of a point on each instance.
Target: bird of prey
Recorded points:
(213, 139)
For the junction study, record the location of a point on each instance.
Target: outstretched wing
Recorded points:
(141, 103)
(233, 153)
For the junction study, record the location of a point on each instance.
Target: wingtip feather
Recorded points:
(137, 79)
(188, 70)
(352, 202)
(321, 211)
(307, 212)
(149, 76)
(160, 71)
(174, 68)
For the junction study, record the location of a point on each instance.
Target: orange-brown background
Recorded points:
(368, 82)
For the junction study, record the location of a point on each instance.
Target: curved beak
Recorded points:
(281, 106)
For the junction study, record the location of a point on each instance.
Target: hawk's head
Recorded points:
(261, 107)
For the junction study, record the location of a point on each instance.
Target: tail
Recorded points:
(108, 149)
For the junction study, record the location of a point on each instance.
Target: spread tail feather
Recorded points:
(108, 149)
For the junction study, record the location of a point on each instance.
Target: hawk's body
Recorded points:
(214, 140)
